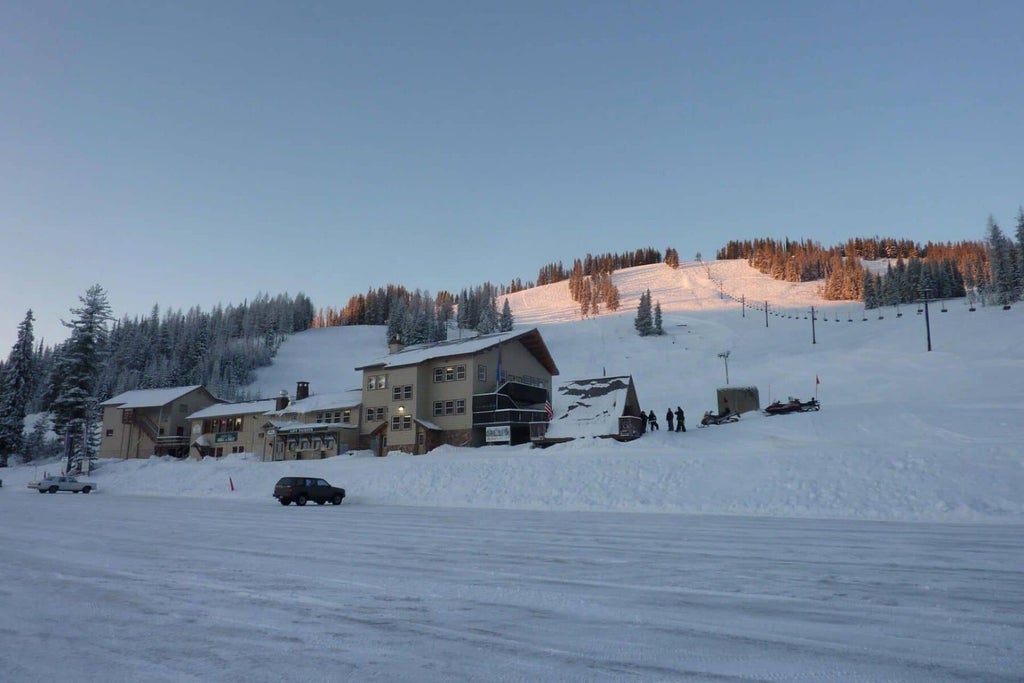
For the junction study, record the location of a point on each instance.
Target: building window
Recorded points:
(401, 422)
(376, 382)
(381, 414)
(451, 373)
(346, 416)
(481, 373)
(401, 392)
(337, 416)
(183, 408)
(110, 432)
(369, 414)
(456, 407)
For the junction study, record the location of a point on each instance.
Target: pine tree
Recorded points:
(643, 322)
(1001, 261)
(17, 384)
(506, 321)
(76, 408)
(658, 329)
(870, 295)
(37, 445)
(1020, 253)
(611, 298)
(488, 317)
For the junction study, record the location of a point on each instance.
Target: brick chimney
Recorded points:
(301, 390)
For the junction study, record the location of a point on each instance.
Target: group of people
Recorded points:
(650, 420)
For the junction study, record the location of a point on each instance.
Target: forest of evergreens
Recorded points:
(992, 269)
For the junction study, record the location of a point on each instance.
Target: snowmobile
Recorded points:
(793, 405)
(722, 418)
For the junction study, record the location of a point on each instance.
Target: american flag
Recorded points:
(549, 410)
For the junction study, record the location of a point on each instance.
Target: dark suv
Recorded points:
(301, 489)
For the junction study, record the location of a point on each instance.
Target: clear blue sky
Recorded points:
(190, 153)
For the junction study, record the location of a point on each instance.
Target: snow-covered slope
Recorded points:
(903, 433)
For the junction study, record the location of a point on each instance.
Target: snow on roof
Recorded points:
(228, 409)
(420, 353)
(428, 424)
(414, 355)
(319, 402)
(594, 407)
(149, 398)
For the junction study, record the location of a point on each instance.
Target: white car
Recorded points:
(54, 484)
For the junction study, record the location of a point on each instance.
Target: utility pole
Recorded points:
(927, 323)
(743, 304)
(814, 337)
(766, 314)
(724, 355)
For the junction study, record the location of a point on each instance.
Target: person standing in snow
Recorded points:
(643, 419)
(652, 420)
(680, 419)
(668, 419)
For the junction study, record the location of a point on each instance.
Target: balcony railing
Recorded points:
(509, 416)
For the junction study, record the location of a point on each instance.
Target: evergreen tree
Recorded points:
(870, 294)
(1003, 287)
(658, 329)
(1020, 253)
(506, 321)
(488, 317)
(37, 445)
(17, 384)
(643, 322)
(585, 296)
(611, 300)
(76, 408)
(396, 321)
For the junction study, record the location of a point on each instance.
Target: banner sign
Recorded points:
(500, 434)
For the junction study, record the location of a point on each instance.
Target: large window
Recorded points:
(376, 414)
(401, 392)
(401, 422)
(481, 373)
(223, 424)
(456, 407)
(376, 382)
(451, 373)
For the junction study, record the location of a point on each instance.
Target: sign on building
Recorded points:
(499, 434)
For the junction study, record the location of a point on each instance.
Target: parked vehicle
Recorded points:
(722, 418)
(54, 484)
(302, 489)
(793, 405)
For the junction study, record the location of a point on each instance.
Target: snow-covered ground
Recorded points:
(115, 587)
(820, 546)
